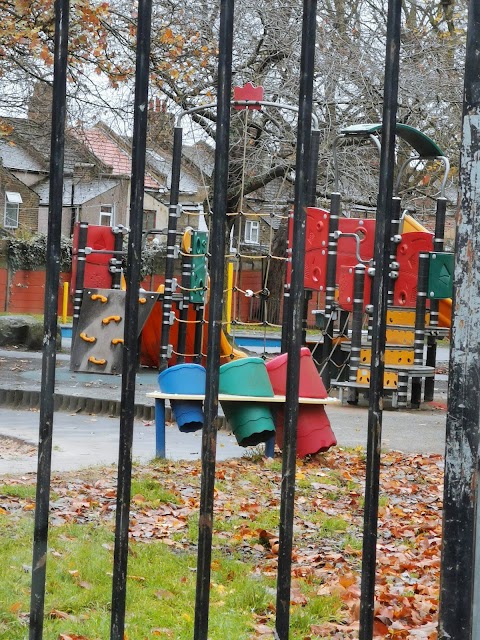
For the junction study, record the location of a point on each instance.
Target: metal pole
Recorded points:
(380, 300)
(44, 465)
(183, 307)
(217, 266)
(294, 319)
(171, 242)
(419, 340)
(357, 321)
(459, 591)
(330, 278)
(198, 336)
(431, 359)
(116, 259)
(394, 240)
(79, 280)
(311, 202)
(130, 349)
(312, 178)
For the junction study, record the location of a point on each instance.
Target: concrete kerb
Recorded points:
(30, 399)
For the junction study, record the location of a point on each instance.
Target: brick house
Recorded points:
(19, 203)
(97, 170)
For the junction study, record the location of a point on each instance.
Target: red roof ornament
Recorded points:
(248, 93)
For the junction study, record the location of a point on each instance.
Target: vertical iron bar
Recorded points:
(311, 202)
(198, 338)
(459, 596)
(431, 359)
(382, 252)
(171, 242)
(307, 296)
(330, 278)
(79, 278)
(286, 291)
(393, 266)
(117, 258)
(130, 349)
(217, 267)
(357, 321)
(44, 465)
(420, 310)
(294, 320)
(312, 177)
(183, 315)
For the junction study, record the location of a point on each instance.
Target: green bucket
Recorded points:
(245, 377)
(251, 423)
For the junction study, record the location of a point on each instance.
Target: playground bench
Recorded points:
(161, 397)
(399, 393)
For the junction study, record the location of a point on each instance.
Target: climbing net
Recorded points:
(250, 254)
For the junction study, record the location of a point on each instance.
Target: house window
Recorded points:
(106, 215)
(149, 219)
(13, 200)
(252, 232)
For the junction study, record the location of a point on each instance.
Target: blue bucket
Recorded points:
(186, 379)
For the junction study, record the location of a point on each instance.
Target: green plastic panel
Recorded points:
(423, 145)
(198, 278)
(440, 276)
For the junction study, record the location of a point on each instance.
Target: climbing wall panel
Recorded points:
(97, 345)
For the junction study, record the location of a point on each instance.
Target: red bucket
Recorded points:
(311, 385)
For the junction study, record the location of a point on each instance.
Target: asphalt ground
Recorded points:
(86, 430)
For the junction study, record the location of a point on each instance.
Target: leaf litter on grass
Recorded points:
(326, 558)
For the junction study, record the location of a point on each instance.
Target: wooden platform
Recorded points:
(161, 397)
(226, 397)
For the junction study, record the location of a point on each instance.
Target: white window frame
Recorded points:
(252, 232)
(13, 200)
(107, 211)
(233, 241)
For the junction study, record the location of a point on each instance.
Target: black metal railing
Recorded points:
(459, 599)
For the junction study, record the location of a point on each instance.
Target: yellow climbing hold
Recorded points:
(84, 336)
(109, 319)
(98, 296)
(94, 360)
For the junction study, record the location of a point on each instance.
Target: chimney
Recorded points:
(40, 103)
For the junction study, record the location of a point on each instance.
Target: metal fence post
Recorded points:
(380, 302)
(171, 242)
(459, 582)
(294, 318)
(217, 267)
(44, 467)
(130, 349)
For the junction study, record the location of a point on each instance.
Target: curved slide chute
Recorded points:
(150, 340)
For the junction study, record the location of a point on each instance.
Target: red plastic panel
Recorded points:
(365, 230)
(412, 244)
(97, 275)
(316, 247)
(345, 287)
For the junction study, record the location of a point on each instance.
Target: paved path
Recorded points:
(86, 440)
(83, 439)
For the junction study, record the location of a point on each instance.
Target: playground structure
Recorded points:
(338, 265)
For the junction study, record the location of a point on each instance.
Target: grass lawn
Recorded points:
(162, 558)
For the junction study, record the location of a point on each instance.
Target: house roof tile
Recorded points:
(111, 154)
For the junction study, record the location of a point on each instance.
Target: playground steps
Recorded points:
(399, 358)
(395, 382)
